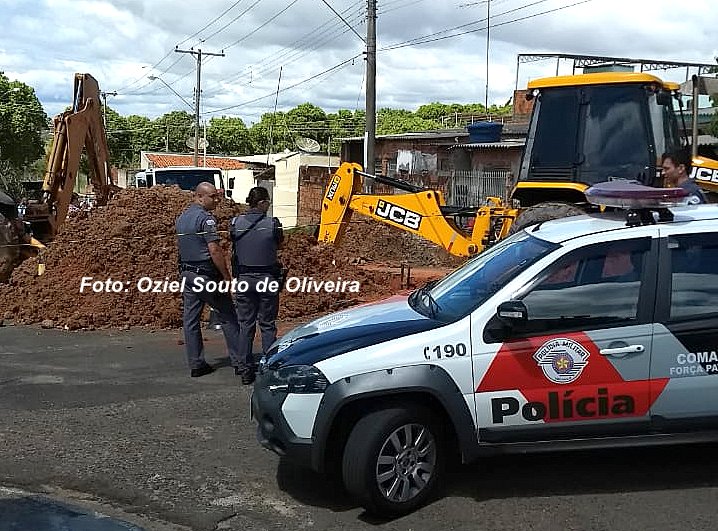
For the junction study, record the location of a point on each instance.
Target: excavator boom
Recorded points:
(80, 127)
(418, 211)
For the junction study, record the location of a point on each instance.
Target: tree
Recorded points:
(119, 139)
(22, 123)
(143, 136)
(172, 130)
(393, 121)
(228, 136)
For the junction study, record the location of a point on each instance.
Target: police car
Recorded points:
(596, 330)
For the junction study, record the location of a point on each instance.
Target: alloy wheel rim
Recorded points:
(406, 462)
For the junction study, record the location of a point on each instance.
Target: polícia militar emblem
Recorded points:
(562, 360)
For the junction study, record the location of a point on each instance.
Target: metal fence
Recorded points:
(470, 188)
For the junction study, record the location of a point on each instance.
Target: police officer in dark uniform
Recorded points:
(676, 170)
(256, 239)
(200, 255)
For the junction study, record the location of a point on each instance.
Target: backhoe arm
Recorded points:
(421, 212)
(81, 127)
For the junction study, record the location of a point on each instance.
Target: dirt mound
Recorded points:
(133, 237)
(369, 240)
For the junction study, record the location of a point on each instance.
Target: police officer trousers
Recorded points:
(257, 305)
(194, 302)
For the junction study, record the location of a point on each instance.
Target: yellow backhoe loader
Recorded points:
(80, 127)
(584, 129)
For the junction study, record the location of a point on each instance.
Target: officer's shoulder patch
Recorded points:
(210, 221)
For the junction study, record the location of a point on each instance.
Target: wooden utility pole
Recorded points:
(370, 133)
(198, 54)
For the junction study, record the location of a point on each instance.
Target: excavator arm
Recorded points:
(418, 211)
(80, 127)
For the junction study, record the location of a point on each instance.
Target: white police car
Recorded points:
(574, 333)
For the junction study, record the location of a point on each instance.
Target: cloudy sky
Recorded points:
(123, 42)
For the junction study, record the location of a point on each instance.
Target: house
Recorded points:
(295, 181)
(449, 160)
(283, 174)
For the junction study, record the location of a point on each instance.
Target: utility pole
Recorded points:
(198, 53)
(370, 134)
(488, 29)
(104, 105)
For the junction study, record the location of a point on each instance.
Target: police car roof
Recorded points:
(564, 229)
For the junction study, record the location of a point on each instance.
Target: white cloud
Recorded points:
(121, 42)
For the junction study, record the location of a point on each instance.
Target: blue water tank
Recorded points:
(485, 132)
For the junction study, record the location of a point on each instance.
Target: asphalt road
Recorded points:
(112, 421)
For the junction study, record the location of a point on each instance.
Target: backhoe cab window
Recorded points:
(591, 134)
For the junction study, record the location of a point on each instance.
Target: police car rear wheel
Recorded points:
(393, 459)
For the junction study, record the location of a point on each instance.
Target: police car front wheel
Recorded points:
(393, 459)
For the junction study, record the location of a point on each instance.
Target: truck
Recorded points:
(187, 178)
(584, 129)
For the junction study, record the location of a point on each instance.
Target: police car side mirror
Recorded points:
(512, 313)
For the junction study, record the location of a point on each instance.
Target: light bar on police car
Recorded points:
(630, 194)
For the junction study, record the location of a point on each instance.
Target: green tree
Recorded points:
(228, 136)
(394, 121)
(172, 130)
(22, 123)
(143, 136)
(343, 124)
(271, 133)
(119, 139)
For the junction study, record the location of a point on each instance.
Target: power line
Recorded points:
(345, 22)
(255, 30)
(235, 19)
(328, 70)
(284, 59)
(210, 23)
(419, 40)
(425, 39)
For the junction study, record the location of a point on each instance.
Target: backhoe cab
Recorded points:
(585, 129)
(591, 128)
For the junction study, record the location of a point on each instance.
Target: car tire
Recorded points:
(544, 212)
(393, 460)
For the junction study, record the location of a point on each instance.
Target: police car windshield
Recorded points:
(466, 288)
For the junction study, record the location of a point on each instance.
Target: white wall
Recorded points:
(243, 181)
(286, 190)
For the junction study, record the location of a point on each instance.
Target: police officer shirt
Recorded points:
(695, 194)
(195, 229)
(258, 247)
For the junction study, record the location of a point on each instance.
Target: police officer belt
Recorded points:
(275, 269)
(201, 268)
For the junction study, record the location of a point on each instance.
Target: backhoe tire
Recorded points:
(393, 459)
(9, 251)
(544, 212)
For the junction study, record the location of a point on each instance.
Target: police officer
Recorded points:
(256, 239)
(676, 169)
(200, 255)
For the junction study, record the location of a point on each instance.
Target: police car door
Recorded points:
(578, 366)
(686, 330)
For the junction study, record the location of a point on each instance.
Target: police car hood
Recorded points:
(348, 330)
